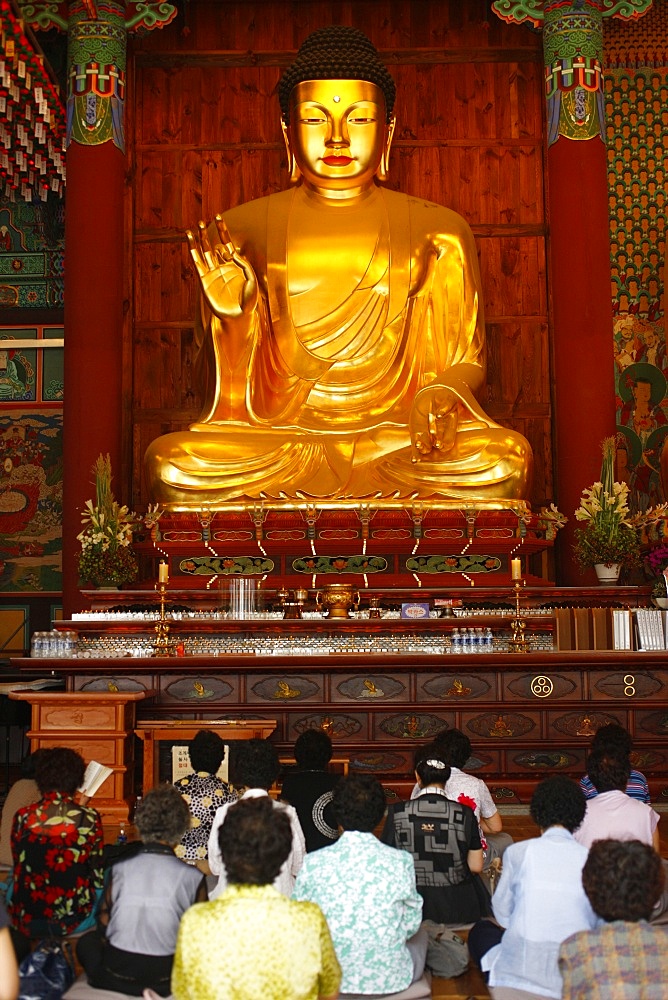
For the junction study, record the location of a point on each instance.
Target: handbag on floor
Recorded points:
(447, 953)
(46, 973)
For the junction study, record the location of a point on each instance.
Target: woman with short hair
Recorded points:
(252, 941)
(204, 793)
(539, 900)
(147, 892)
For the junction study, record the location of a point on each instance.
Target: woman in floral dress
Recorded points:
(57, 851)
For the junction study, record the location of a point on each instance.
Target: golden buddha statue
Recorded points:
(342, 330)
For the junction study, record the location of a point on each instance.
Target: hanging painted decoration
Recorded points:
(517, 11)
(32, 118)
(573, 53)
(34, 126)
(96, 75)
(572, 49)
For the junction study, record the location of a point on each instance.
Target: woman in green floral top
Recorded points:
(253, 942)
(57, 851)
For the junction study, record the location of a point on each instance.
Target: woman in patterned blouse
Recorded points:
(57, 851)
(280, 949)
(204, 793)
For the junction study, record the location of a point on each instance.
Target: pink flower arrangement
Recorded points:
(656, 559)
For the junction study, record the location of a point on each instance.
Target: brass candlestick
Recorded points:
(162, 645)
(518, 642)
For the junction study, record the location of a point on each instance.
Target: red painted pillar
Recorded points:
(582, 315)
(579, 242)
(93, 273)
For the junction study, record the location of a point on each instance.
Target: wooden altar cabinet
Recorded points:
(98, 725)
(527, 715)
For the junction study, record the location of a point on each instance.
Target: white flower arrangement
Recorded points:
(108, 529)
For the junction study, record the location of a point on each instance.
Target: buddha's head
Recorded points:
(337, 101)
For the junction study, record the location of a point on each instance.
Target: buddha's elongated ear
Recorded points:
(384, 165)
(293, 168)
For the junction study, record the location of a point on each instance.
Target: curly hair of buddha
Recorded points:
(336, 53)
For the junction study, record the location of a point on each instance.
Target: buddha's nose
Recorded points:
(338, 135)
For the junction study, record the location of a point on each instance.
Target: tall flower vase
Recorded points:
(608, 573)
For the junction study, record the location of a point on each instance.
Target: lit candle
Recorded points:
(163, 571)
(517, 569)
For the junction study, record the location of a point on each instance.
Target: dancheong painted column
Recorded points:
(93, 262)
(94, 243)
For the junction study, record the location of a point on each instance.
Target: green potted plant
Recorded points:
(608, 539)
(107, 558)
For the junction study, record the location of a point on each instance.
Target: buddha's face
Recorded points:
(337, 134)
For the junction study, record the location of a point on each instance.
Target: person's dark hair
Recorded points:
(454, 746)
(256, 764)
(359, 802)
(623, 879)
(59, 769)
(254, 840)
(608, 770)
(313, 750)
(612, 737)
(29, 763)
(430, 765)
(162, 815)
(558, 801)
(338, 52)
(206, 751)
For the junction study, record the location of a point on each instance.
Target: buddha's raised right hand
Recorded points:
(228, 280)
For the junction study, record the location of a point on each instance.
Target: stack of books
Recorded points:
(622, 628)
(651, 626)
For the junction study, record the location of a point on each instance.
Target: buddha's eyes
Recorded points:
(355, 118)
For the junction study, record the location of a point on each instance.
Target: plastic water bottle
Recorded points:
(37, 644)
(122, 834)
(456, 641)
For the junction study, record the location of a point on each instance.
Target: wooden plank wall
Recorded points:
(203, 136)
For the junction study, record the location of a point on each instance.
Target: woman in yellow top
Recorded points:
(281, 949)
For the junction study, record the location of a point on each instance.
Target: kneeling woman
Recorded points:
(252, 941)
(444, 839)
(147, 891)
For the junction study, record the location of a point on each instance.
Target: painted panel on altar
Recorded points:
(198, 689)
(505, 726)
(585, 725)
(633, 683)
(365, 687)
(411, 725)
(540, 686)
(287, 688)
(110, 684)
(548, 761)
(379, 761)
(337, 725)
(455, 686)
